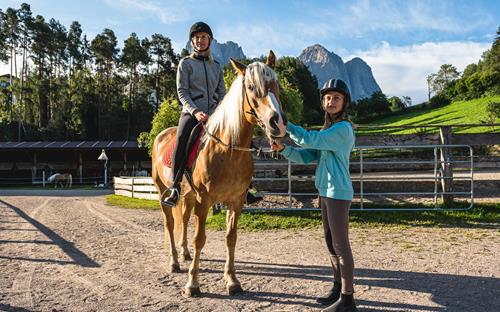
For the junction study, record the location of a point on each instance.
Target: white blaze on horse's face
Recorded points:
(263, 98)
(273, 118)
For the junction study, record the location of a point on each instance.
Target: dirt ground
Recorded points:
(77, 254)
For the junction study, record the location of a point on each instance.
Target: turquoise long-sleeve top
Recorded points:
(331, 148)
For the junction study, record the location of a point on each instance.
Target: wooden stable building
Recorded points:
(28, 162)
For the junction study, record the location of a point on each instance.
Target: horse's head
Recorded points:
(261, 98)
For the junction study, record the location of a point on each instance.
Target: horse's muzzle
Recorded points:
(277, 125)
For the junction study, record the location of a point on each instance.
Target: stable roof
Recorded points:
(69, 145)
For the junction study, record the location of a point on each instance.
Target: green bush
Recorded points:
(291, 101)
(439, 100)
(167, 116)
(493, 109)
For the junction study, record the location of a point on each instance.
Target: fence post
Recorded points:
(445, 135)
(132, 187)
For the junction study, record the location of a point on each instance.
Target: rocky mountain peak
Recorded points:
(223, 51)
(328, 65)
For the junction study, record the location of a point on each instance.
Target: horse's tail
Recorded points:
(70, 179)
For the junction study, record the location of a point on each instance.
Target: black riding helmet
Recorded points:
(200, 27)
(339, 86)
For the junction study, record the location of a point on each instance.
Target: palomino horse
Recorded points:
(61, 179)
(224, 167)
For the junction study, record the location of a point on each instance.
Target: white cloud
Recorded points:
(403, 70)
(168, 13)
(402, 16)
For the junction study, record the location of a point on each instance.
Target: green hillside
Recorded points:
(460, 112)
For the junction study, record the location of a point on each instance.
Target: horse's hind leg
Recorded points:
(168, 221)
(233, 286)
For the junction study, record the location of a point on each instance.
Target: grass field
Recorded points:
(461, 112)
(255, 221)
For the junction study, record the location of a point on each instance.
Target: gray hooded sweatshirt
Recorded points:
(200, 84)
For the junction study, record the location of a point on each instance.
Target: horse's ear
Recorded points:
(239, 67)
(271, 59)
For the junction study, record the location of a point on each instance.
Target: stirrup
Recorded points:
(172, 199)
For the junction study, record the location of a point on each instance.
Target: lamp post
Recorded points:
(104, 157)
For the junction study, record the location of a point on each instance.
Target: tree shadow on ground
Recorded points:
(10, 308)
(448, 291)
(51, 192)
(78, 257)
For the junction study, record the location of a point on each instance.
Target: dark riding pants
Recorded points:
(184, 142)
(335, 215)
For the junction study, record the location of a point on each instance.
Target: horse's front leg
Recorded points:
(189, 202)
(192, 287)
(168, 223)
(233, 286)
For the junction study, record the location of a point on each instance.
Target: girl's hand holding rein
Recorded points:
(276, 146)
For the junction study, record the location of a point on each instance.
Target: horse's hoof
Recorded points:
(192, 292)
(234, 289)
(174, 268)
(186, 257)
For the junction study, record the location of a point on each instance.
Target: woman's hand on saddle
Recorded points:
(201, 116)
(276, 146)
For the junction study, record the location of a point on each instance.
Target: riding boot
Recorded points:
(332, 295)
(175, 191)
(172, 200)
(344, 304)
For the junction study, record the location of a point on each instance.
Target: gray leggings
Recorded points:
(335, 215)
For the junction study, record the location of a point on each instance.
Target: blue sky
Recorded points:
(403, 41)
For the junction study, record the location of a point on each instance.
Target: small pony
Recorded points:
(61, 178)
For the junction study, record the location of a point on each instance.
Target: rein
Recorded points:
(230, 146)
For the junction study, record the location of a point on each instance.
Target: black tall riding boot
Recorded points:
(172, 200)
(175, 192)
(332, 295)
(344, 304)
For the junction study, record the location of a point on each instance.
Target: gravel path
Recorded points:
(77, 254)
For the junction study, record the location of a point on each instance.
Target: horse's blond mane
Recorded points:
(228, 114)
(259, 75)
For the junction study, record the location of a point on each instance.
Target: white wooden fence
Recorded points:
(135, 187)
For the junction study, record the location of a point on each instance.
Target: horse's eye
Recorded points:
(250, 87)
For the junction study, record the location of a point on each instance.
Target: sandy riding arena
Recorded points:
(78, 254)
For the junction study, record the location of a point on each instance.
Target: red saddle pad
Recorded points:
(167, 158)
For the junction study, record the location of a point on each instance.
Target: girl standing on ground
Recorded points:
(331, 148)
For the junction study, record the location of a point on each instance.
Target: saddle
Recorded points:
(193, 153)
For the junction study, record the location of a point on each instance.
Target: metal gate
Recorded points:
(447, 164)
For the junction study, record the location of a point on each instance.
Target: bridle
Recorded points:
(252, 112)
